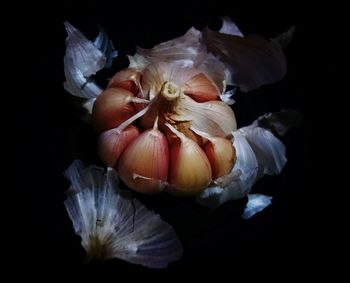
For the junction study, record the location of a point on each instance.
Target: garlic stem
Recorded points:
(170, 91)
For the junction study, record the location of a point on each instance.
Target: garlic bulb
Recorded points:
(169, 152)
(165, 121)
(112, 225)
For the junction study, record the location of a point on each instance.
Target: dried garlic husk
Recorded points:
(112, 225)
(258, 152)
(82, 60)
(255, 204)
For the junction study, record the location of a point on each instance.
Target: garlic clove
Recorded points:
(129, 79)
(113, 107)
(201, 89)
(144, 164)
(112, 143)
(190, 170)
(221, 154)
(215, 118)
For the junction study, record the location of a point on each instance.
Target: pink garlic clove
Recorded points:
(221, 154)
(128, 79)
(144, 165)
(112, 143)
(190, 170)
(201, 89)
(113, 107)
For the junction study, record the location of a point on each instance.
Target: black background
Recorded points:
(52, 136)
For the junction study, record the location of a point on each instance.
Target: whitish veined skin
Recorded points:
(113, 225)
(258, 152)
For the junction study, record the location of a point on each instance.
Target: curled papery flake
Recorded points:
(82, 60)
(112, 225)
(227, 96)
(258, 152)
(255, 204)
(229, 27)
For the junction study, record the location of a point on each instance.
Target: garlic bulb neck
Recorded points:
(170, 91)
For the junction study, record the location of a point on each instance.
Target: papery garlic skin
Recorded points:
(259, 152)
(255, 204)
(83, 59)
(112, 225)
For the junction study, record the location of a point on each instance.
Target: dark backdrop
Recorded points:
(52, 136)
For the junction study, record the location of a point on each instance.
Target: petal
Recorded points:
(111, 225)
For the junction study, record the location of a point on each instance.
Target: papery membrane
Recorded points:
(112, 225)
(258, 153)
(255, 204)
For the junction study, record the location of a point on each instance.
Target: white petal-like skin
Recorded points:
(112, 225)
(229, 27)
(255, 204)
(258, 152)
(215, 118)
(82, 60)
(104, 44)
(185, 47)
(227, 97)
(188, 51)
(269, 150)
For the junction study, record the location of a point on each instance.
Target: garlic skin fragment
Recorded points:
(112, 225)
(83, 59)
(258, 152)
(255, 204)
